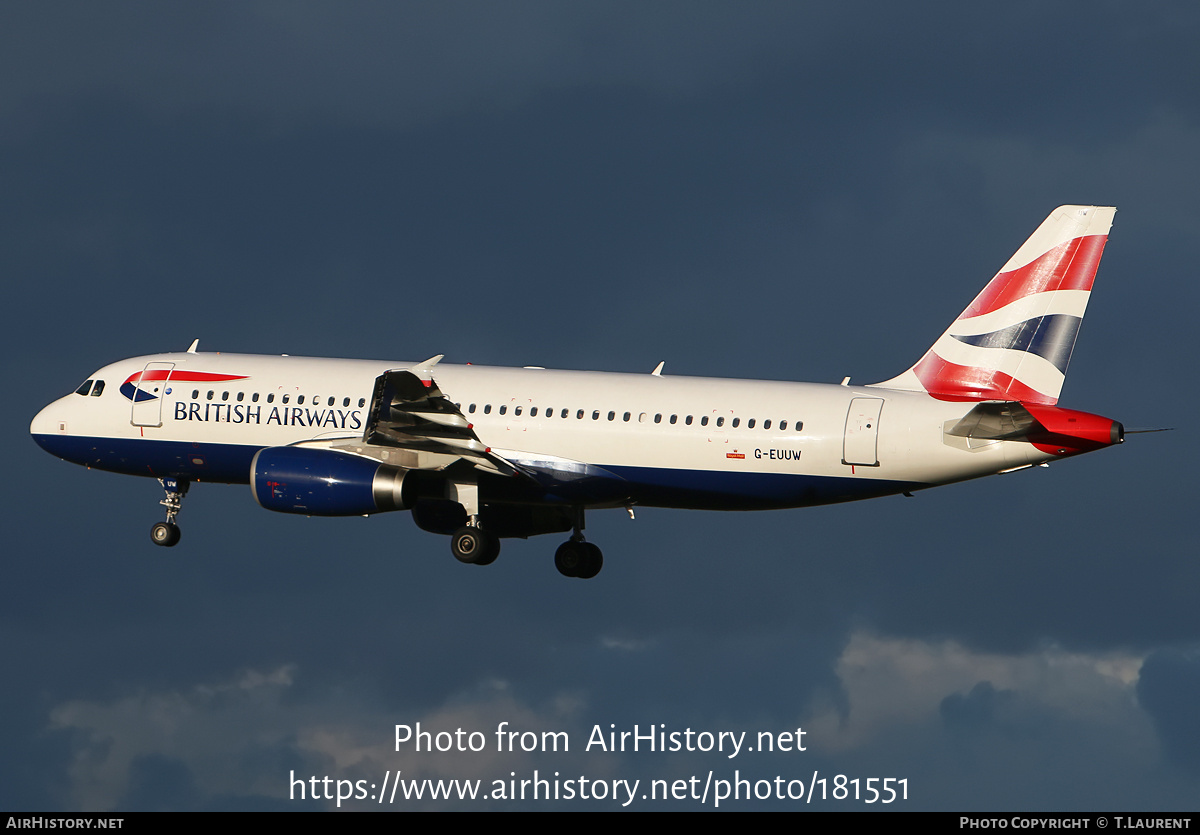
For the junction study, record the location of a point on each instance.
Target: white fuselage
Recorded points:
(675, 441)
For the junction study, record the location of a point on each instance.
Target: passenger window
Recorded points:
(300, 400)
(626, 417)
(345, 402)
(254, 397)
(750, 423)
(225, 394)
(195, 394)
(735, 423)
(579, 415)
(84, 389)
(241, 396)
(658, 418)
(704, 420)
(471, 409)
(782, 425)
(331, 401)
(688, 420)
(98, 388)
(612, 415)
(720, 421)
(270, 398)
(799, 426)
(596, 415)
(564, 413)
(517, 411)
(767, 424)
(673, 419)
(210, 394)
(487, 410)
(362, 401)
(503, 409)
(533, 411)
(284, 399)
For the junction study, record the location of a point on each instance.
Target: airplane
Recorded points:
(482, 453)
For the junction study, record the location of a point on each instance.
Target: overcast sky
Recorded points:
(793, 191)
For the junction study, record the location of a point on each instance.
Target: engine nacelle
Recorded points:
(322, 482)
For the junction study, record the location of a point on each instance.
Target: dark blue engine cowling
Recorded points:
(321, 482)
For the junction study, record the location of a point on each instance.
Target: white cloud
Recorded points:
(896, 682)
(1041, 714)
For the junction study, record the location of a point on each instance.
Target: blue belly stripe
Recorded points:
(649, 486)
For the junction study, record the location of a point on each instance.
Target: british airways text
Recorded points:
(284, 416)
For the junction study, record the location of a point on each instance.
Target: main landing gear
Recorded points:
(576, 558)
(473, 545)
(167, 533)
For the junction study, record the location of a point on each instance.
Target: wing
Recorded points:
(413, 425)
(421, 427)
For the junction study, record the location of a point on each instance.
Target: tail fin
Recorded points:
(1015, 340)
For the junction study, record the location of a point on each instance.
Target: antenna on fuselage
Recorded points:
(657, 372)
(192, 348)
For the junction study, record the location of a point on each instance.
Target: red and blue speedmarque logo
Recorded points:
(136, 389)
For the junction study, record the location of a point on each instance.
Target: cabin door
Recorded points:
(149, 388)
(860, 446)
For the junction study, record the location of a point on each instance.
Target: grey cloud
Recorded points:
(1169, 690)
(978, 709)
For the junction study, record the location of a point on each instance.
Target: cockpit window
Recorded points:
(98, 389)
(85, 388)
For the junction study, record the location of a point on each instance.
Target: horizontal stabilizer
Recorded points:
(994, 422)
(1050, 428)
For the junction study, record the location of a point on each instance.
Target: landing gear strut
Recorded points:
(471, 544)
(576, 557)
(167, 533)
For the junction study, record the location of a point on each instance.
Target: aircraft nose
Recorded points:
(47, 424)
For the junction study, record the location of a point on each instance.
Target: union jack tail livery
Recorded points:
(1015, 340)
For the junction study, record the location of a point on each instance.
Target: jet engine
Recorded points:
(323, 482)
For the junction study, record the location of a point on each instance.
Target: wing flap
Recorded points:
(409, 412)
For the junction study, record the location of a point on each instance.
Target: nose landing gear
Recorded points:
(167, 533)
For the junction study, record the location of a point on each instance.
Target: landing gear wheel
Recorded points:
(490, 552)
(575, 558)
(474, 546)
(568, 558)
(593, 563)
(164, 533)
